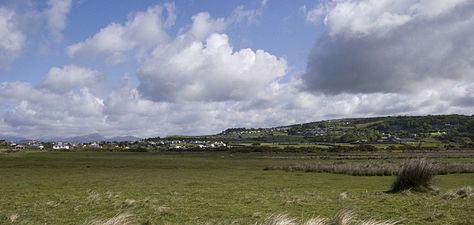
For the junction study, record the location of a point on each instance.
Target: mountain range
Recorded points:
(76, 139)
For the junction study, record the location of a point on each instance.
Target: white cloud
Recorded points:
(20, 20)
(361, 18)
(41, 113)
(241, 14)
(209, 71)
(56, 17)
(142, 30)
(70, 77)
(201, 65)
(145, 30)
(314, 15)
(203, 25)
(375, 17)
(126, 112)
(12, 39)
(13, 91)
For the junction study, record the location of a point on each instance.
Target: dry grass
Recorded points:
(463, 193)
(376, 222)
(414, 175)
(382, 155)
(374, 168)
(279, 219)
(343, 195)
(343, 217)
(316, 221)
(130, 202)
(93, 196)
(120, 219)
(13, 217)
(160, 209)
(52, 204)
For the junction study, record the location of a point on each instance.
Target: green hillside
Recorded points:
(434, 131)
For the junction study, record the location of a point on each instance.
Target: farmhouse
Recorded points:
(19, 147)
(60, 145)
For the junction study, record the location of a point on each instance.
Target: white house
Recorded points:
(60, 145)
(94, 145)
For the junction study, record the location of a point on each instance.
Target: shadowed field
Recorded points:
(199, 188)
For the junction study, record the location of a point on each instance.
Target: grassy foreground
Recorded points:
(200, 188)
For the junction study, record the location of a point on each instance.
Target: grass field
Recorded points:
(200, 188)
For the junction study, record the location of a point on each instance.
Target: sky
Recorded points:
(194, 67)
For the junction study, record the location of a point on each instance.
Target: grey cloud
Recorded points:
(406, 57)
(464, 101)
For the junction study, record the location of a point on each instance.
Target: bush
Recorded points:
(414, 175)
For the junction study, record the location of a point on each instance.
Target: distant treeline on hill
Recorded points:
(432, 131)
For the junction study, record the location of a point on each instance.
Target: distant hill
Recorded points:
(391, 129)
(85, 138)
(12, 138)
(124, 138)
(95, 137)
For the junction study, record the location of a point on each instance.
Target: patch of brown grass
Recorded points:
(373, 168)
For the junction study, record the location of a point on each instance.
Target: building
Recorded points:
(60, 145)
(19, 147)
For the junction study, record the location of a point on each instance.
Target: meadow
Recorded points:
(208, 188)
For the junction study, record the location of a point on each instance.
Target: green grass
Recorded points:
(364, 125)
(195, 188)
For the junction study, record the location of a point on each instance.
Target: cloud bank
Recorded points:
(392, 46)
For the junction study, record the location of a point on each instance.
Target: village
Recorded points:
(436, 132)
(124, 145)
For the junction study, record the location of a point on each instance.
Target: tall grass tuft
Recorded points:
(279, 219)
(376, 222)
(414, 175)
(316, 221)
(343, 217)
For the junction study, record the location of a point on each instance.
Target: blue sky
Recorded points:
(156, 68)
(283, 31)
